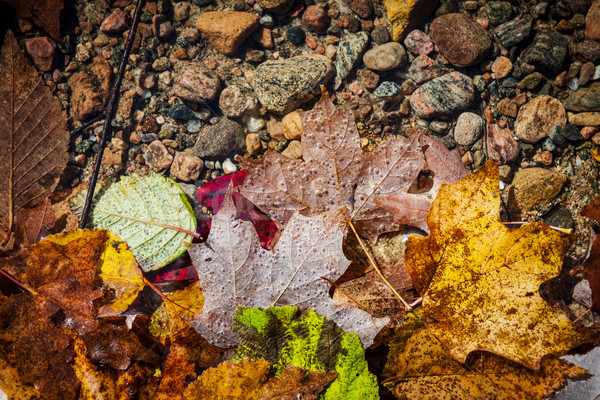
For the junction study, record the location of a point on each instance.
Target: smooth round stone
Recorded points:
(469, 128)
(385, 57)
(537, 118)
(235, 102)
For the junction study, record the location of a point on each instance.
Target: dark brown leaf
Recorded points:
(44, 13)
(33, 136)
(35, 223)
(30, 342)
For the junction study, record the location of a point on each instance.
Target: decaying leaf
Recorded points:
(425, 370)
(35, 223)
(335, 172)
(32, 344)
(314, 342)
(11, 386)
(235, 271)
(591, 265)
(480, 280)
(150, 213)
(63, 269)
(33, 136)
(248, 380)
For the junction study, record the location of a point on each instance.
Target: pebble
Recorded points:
(113, 156)
(235, 102)
(385, 57)
(387, 89)
(181, 11)
(418, 42)
(219, 141)
(531, 81)
(161, 64)
(547, 52)
(501, 67)
(585, 119)
(424, 69)
(196, 83)
(157, 156)
(276, 6)
(349, 51)
(571, 133)
(468, 129)
(537, 118)
(315, 19)
(226, 30)
(443, 96)
(254, 123)
(586, 73)
(295, 35)
(588, 50)
(592, 22)
(462, 41)
(498, 11)
(507, 107)
(292, 126)
(380, 35)
(513, 32)
(190, 35)
(116, 22)
(362, 8)
(282, 85)
(180, 112)
(532, 188)
(90, 89)
(583, 99)
(501, 146)
(162, 27)
(253, 145)
(186, 166)
(293, 150)
(228, 166)
(43, 52)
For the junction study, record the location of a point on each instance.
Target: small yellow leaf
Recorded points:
(120, 272)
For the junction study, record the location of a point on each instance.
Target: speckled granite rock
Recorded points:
(349, 51)
(282, 85)
(583, 99)
(513, 32)
(547, 52)
(226, 30)
(460, 39)
(533, 187)
(537, 118)
(235, 102)
(501, 145)
(222, 140)
(443, 96)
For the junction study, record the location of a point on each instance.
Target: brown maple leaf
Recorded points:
(236, 271)
(33, 136)
(336, 173)
(591, 266)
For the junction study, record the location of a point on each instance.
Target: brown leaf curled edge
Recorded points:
(236, 271)
(33, 136)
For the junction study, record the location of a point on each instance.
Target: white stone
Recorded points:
(228, 166)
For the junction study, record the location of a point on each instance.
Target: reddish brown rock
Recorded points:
(537, 118)
(90, 89)
(592, 22)
(116, 22)
(149, 125)
(460, 39)
(362, 8)
(501, 67)
(276, 6)
(586, 73)
(507, 107)
(500, 144)
(157, 156)
(226, 30)
(417, 42)
(43, 52)
(162, 27)
(186, 166)
(196, 83)
(315, 19)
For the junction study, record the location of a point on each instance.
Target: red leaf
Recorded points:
(591, 266)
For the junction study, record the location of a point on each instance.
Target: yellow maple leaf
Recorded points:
(426, 371)
(480, 280)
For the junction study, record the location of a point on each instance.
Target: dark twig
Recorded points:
(86, 125)
(110, 111)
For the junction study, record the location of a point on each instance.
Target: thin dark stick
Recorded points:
(86, 125)
(110, 110)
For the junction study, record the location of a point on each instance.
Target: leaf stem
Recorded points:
(110, 111)
(164, 297)
(332, 283)
(194, 234)
(16, 282)
(407, 306)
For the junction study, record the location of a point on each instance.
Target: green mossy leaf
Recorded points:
(311, 341)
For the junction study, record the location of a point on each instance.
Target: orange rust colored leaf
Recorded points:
(591, 266)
